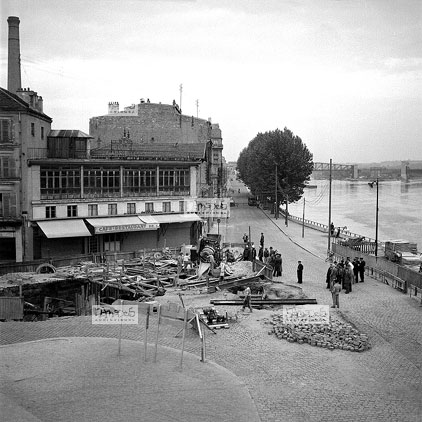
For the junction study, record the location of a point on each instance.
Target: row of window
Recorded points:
(65, 182)
(72, 210)
(6, 131)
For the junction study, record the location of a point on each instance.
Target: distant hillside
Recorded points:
(385, 164)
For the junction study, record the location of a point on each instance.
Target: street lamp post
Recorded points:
(371, 184)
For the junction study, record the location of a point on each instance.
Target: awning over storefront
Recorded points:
(177, 218)
(121, 224)
(55, 229)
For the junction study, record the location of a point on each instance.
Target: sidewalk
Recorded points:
(84, 379)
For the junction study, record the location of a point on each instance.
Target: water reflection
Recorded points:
(354, 205)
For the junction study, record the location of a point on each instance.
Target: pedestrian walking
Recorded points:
(362, 264)
(247, 300)
(299, 272)
(261, 240)
(335, 293)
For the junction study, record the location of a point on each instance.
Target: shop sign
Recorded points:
(213, 207)
(126, 228)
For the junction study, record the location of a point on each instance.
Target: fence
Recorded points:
(11, 308)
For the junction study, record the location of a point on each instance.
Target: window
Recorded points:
(181, 206)
(174, 181)
(112, 242)
(101, 182)
(149, 207)
(60, 183)
(72, 210)
(92, 210)
(139, 182)
(112, 209)
(166, 206)
(8, 204)
(42, 132)
(131, 208)
(33, 129)
(5, 131)
(50, 212)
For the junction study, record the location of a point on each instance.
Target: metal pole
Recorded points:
(303, 219)
(329, 209)
(276, 199)
(376, 226)
(287, 209)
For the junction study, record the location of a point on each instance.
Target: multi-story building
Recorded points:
(63, 193)
(149, 123)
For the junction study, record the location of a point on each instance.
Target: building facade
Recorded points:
(150, 123)
(64, 193)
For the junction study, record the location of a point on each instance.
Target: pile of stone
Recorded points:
(334, 335)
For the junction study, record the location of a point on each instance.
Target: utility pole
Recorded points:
(303, 219)
(376, 226)
(276, 198)
(287, 209)
(329, 210)
(197, 108)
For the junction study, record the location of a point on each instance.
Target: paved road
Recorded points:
(292, 382)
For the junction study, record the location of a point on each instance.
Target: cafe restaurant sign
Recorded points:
(213, 207)
(126, 228)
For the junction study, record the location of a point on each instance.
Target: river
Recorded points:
(353, 204)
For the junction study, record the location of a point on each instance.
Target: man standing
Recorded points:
(328, 278)
(277, 265)
(335, 292)
(261, 254)
(348, 279)
(261, 241)
(266, 255)
(362, 264)
(299, 272)
(247, 300)
(356, 269)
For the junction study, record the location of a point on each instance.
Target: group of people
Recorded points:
(269, 256)
(342, 275)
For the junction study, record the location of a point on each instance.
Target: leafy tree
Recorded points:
(258, 161)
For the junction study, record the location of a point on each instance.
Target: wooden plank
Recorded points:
(259, 302)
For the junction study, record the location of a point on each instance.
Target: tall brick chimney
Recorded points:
(14, 56)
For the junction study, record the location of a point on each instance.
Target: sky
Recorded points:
(343, 75)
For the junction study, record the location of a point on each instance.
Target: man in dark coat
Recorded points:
(277, 265)
(362, 264)
(328, 278)
(299, 272)
(356, 269)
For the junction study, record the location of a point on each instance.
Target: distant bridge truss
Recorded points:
(338, 171)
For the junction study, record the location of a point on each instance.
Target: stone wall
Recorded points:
(159, 123)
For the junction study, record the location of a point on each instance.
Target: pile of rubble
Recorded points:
(334, 335)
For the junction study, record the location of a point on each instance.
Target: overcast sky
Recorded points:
(344, 75)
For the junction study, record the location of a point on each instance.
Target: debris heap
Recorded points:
(334, 335)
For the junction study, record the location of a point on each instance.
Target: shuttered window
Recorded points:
(5, 131)
(8, 204)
